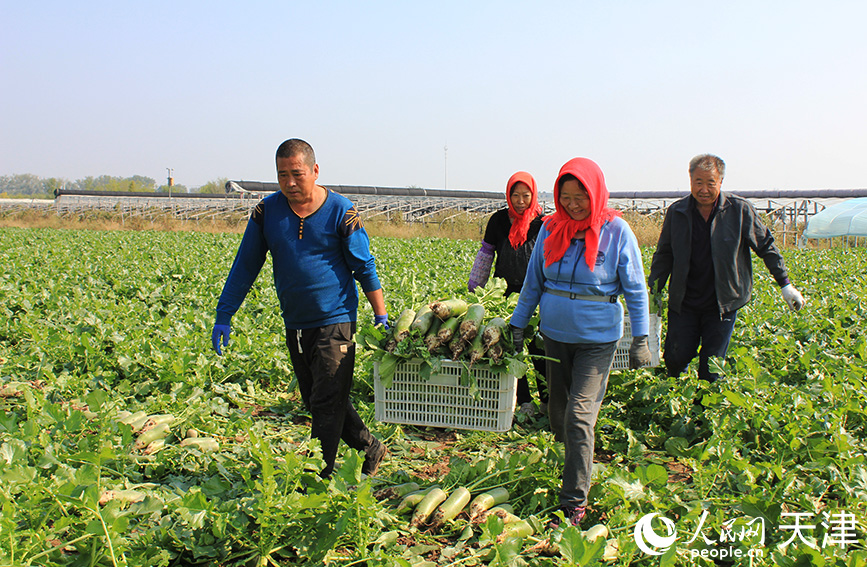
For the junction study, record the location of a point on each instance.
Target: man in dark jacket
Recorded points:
(704, 249)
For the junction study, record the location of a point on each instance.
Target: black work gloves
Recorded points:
(517, 338)
(639, 353)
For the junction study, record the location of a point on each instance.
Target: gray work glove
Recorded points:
(639, 353)
(517, 338)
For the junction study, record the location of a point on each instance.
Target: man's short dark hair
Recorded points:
(293, 147)
(708, 162)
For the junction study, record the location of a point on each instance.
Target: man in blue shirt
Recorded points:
(319, 249)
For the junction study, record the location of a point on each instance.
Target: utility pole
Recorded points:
(446, 161)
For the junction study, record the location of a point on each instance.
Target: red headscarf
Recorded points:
(521, 222)
(562, 228)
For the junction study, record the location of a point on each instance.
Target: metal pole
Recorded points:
(446, 164)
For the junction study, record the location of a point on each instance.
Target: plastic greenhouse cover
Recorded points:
(848, 218)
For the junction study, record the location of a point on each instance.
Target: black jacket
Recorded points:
(735, 230)
(511, 264)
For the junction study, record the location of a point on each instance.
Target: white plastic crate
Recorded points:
(621, 357)
(442, 401)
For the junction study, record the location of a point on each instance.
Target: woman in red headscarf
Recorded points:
(585, 257)
(510, 236)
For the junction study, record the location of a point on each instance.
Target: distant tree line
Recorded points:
(30, 186)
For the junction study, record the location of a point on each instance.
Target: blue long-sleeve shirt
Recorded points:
(618, 271)
(317, 260)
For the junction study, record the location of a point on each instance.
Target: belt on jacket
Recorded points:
(570, 295)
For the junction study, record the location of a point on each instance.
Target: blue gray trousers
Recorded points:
(576, 387)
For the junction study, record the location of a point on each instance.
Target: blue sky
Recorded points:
(209, 89)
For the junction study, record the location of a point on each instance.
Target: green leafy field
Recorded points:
(93, 324)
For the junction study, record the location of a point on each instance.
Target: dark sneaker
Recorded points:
(572, 515)
(375, 454)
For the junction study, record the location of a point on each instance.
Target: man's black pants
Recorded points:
(323, 359)
(689, 329)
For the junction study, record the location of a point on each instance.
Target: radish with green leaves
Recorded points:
(160, 431)
(397, 491)
(472, 321)
(411, 500)
(453, 506)
(203, 444)
(494, 331)
(477, 348)
(448, 329)
(427, 507)
(487, 500)
(449, 308)
(423, 320)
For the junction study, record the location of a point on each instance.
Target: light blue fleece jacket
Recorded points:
(618, 271)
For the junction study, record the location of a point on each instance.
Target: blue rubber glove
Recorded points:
(381, 320)
(220, 332)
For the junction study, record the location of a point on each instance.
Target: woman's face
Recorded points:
(520, 196)
(574, 199)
